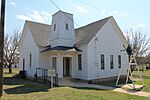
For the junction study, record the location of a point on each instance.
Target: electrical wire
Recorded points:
(96, 27)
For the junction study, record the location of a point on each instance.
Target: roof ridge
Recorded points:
(40, 33)
(94, 22)
(62, 12)
(85, 33)
(37, 22)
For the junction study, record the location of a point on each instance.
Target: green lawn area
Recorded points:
(23, 89)
(146, 78)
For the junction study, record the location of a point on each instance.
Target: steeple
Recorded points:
(62, 30)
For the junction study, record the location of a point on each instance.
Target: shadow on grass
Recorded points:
(22, 86)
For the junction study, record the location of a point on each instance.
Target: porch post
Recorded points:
(60, 65)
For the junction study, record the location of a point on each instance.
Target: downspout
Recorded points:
(96, 60)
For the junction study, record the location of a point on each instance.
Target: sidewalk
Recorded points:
(81, 84)
(139, 93)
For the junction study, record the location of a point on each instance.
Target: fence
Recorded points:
(43, 76)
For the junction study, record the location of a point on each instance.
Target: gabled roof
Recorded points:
(86, 33)
(40, 33)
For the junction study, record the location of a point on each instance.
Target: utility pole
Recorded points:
(2, 20)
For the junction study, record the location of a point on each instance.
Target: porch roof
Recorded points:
(61, 48)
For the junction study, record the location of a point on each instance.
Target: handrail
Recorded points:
(44, 76)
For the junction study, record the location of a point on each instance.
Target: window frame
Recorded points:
(79, 61)
(66, 26)
(119, 61)
(102, 61)
(111, 62)
(30, 60)
(54, 27)
(23, 64)
(54, 66)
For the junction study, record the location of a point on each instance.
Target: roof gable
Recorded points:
(120, 34)
(40, 33)
(86, 33)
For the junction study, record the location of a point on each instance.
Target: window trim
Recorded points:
(66, 26)
(54, 67)
(23, 64)
(102, 67)
(111, 62)
(30, 60)
(79, 61)
(54, 27)
(119, 61)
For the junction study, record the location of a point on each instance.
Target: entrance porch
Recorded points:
(62, 63)
(62, 60)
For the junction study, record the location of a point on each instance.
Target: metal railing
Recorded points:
(43, 76)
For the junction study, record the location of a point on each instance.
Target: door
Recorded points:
(66, 66)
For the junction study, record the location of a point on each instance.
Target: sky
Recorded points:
(128, 13)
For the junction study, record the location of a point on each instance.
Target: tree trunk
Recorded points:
(10, 69)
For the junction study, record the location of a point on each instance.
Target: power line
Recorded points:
(55, 5)
(64, 13)
(72, 19)
(88, 5)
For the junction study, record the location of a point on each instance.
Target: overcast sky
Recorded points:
(128, 13)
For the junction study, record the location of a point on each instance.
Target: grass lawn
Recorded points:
(23, 89)
(146, 78)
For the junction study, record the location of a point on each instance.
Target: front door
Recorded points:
(66, 66)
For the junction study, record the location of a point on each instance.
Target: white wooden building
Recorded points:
(89, 52)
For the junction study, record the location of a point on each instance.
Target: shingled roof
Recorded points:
(86, 33)
(41, 32)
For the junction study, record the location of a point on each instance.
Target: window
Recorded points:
(30, 60)
(23, 64)
(102, 61)
(67, 26)
(119, 61)
(54, 63)
(111, 62)
(54, 27)
(79, 62)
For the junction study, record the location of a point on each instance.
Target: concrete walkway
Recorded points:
(64, 82)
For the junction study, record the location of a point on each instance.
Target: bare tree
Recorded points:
(139, 42)
(11, 49)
